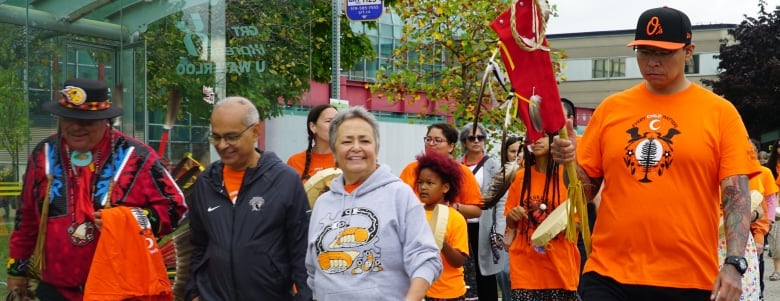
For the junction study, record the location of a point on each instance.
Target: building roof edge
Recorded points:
(631, 31)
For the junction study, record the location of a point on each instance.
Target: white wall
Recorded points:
(399, 142)
(581, 69)
(708, 64)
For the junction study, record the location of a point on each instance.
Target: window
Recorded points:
(386, 38)
(618, 67)
(609, 67)
(692, 66)
(600, 68)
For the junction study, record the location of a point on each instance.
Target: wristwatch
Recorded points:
(738, 262)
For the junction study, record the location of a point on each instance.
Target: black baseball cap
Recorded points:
(662, 27)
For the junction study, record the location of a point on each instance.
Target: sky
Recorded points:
(585, 16)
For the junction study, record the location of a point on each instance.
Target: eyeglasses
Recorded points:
(434, 140)
(229, 138)
(476, 138)
(659, 54)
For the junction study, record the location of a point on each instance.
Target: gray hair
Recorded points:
(352, 112)
(251, 116)
(466, 130)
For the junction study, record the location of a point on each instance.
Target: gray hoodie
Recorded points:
(371, 243)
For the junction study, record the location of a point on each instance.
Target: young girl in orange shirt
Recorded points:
(550, 272)
(438, 181)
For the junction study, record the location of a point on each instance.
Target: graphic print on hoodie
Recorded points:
(348, 243)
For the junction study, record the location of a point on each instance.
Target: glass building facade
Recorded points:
(149, 50)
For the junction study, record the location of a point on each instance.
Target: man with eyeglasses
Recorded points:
(248, 216)
(673, 158)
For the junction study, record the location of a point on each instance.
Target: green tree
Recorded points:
(444, 50)
(13, 120)
(272, 50)
(750, 70)
(442, 53)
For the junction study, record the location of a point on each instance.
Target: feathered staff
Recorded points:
(501, 181)
(174, 101)
(526, 56)
(525, 53)
(176, 246)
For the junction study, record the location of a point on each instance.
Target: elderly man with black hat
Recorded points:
(71, 175)
(673, 158)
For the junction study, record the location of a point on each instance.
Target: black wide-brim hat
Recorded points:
(83, 98)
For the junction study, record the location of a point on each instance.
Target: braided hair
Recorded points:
(314, 114)
(550, 194)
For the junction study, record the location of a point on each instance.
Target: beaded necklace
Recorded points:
(82, 231)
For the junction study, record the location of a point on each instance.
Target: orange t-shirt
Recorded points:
(318, 162)
(559, 266)
(469, 193)
(778, 174)
(766, 179)
(765, 184)
(127, 265)
(351, 187)
(451, 283)
(662, 159)
(233, 180)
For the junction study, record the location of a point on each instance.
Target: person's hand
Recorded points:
(18, 284)
(517, 213)
(563, 149)
(760, 249)
(728, 284)
(98, 220)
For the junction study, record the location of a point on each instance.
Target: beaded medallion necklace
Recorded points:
(82, 233)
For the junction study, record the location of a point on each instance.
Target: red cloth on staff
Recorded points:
(530, 73)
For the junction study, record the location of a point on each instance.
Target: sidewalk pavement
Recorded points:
(771, 288)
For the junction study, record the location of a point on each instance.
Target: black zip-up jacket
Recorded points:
(255, 249)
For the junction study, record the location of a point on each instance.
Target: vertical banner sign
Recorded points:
(363, 10)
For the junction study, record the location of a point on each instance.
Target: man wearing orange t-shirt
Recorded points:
(663, 164)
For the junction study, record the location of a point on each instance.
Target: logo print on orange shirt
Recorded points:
(654, 27)
(649, 153)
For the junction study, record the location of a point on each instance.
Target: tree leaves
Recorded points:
(750, 71)
(443, 52)
(273, 49)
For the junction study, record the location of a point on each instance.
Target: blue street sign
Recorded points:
(364, 10)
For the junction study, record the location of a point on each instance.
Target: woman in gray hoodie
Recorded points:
(368, 238)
